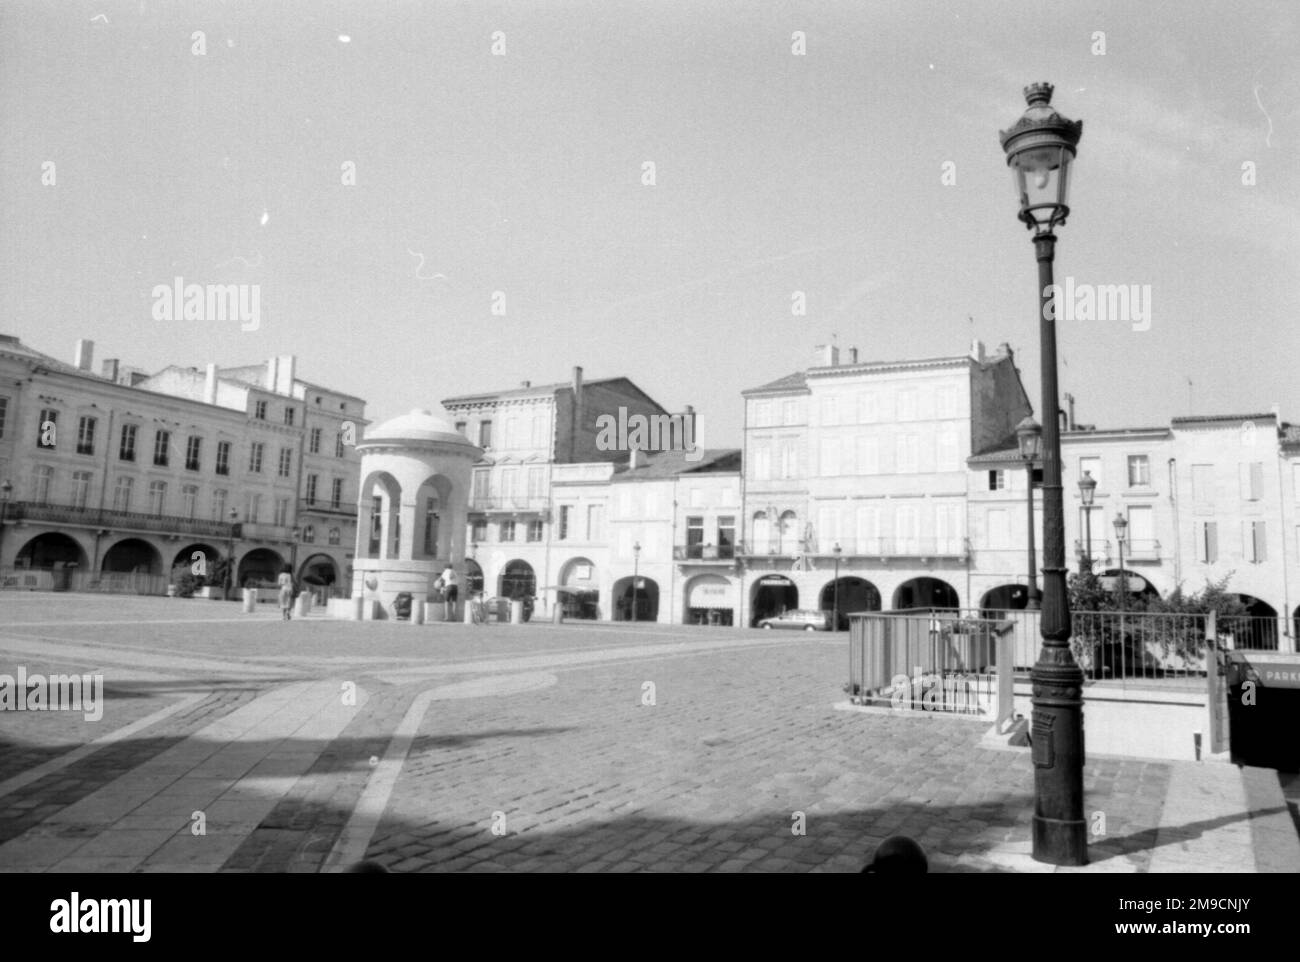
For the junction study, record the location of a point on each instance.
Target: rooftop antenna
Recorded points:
(1190, 405)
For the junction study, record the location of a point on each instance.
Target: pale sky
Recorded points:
(775, 173)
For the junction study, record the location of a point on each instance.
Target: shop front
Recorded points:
(710, 600)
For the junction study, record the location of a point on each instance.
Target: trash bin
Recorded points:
(402, 606)
(250, 600)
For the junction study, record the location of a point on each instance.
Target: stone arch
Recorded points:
(854, 594)
(926, 592)
(378, 522)
(260, 565)
(770, 595)
(133, 555)
(433, 531)
(636, 598)
(1008, 597)
(51, 549)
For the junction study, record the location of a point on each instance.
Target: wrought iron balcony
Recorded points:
(509, 505)
(105, 518)
(343, 510)
(704, 552)
(864, 548)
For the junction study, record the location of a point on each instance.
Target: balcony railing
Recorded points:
(867, 548)
(343, 509)
(512, 505)
(704, 552)
(104, 518)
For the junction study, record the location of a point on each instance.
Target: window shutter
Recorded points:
(1212, 541)
(1257, 480)
(1261, 541)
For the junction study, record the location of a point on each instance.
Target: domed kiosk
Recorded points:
(412, 508)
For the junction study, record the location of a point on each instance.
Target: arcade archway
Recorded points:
(50, 549)
(926, 593)
(132, 554)
(771, 595)
(261, 565)
(636, 599)
(854, 594)
(1005, 598)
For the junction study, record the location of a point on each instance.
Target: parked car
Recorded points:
(804, 619)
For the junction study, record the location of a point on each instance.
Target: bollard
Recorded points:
(250, 600)
(469, 613)
(303, 605)
(417, 613)
(557, 613)
(358, 606)
(516, 611)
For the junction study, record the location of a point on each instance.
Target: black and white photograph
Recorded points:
(649, 436)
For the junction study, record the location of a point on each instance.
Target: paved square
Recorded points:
(234, 742)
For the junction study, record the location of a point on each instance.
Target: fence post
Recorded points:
(1006, 678)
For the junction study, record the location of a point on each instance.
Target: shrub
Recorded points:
(187, 583)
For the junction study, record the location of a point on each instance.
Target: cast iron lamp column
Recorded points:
(230, 556)
(1040, 147)
(1087, 491)
(6, 492)
(636, 563)
(1030, 435)
(835, 624)
(1121, 530)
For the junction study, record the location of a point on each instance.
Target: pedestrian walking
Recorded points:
(450, 592)
(285, 582)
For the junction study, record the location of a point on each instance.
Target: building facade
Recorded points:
(121, 480)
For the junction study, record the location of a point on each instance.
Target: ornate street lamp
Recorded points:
(6, 492)
(636, 562)
(1029, 433)
(1040, 147)
(835, 625)
(230, 555)
(1121, 533)
(1087, 491)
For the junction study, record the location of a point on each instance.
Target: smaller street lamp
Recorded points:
(6, 492)
(1121, 531)
(230, 555)
(1087, 491)
(1029, 434)
(835, 625)
(636, 563)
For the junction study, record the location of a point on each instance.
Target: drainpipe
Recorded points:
(1287, 640)
(746, 529)
(1173, 500)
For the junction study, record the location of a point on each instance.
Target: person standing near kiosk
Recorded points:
(450, 591)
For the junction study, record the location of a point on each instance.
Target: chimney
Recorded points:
(85, 353)
(284, 371)
(826, 355)
(1069, 421)
(210, 385)
(691, 418)
(575, 413)
(853, 355)
(1004, 350)
(977, 350)
(109, 370)
(525, 383)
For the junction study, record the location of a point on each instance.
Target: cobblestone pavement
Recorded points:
(242, 743)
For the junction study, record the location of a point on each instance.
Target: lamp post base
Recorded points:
(1058, 842)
